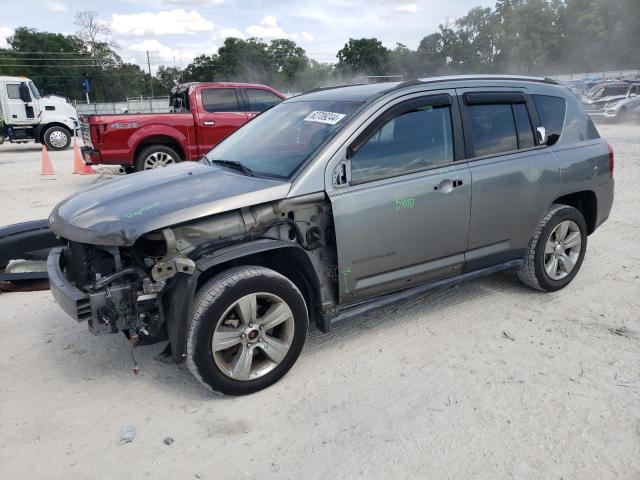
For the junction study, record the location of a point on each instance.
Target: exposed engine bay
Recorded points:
(129, 288)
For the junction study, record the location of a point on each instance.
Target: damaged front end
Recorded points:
(117, 289)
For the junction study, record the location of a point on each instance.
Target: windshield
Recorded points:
(34, 90)
(277, 142)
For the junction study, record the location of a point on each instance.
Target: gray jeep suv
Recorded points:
(328, 205)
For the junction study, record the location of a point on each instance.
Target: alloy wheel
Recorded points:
(253, 336)
(158, 160)
(562, 250)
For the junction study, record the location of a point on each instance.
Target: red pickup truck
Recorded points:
(201, 116)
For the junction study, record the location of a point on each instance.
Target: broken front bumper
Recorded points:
(73, 301)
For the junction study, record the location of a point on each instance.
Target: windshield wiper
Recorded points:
(233, 164)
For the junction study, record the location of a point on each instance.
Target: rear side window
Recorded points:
(551, 111)
(220, 100)
(411, 141)
(259, 100)
(493, 129)
(13, 92)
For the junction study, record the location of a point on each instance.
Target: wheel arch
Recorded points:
(42, 129)
(586, 202)
(159, 139)
(286, 258)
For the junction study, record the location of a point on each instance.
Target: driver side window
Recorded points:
(411, 141)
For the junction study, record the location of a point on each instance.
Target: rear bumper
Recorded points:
(71, 300)
(91, 156)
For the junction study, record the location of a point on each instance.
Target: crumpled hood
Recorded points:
(119, 211)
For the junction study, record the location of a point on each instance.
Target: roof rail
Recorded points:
(460, 78)
(321, 89)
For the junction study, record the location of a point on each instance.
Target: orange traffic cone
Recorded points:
(78, 164)
(47, 167)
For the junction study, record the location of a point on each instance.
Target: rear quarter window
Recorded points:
(569, 121)
(551, 111)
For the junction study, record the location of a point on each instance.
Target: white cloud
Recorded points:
(222, 33)
(174, 22)
(5, 32)
(55, 6)
(406, 8)
(303, 36)
(268, 28)
(202, 3)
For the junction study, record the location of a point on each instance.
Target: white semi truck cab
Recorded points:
(25, 115)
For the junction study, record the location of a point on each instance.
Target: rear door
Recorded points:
(514, 178)
(257, 100)
(401, 212)
(219, 114)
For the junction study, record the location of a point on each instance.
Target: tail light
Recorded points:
(611, 159)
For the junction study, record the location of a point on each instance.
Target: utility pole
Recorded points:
(150, 82)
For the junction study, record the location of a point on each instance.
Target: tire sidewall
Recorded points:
(142, 156)
(51, 130)
(568, 213)
(201, 342)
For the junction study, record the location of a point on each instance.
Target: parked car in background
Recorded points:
(201, 116)
(331, 204)
(613, 101)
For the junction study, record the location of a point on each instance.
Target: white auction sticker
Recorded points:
(330, 118)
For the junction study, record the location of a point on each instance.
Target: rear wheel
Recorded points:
(556, 250)
(57, 138)
(156, 156)
(247, 330)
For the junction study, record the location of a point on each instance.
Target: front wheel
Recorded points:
(247, 329)
(57, 138)
(556, 250)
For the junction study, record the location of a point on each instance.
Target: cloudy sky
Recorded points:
(182, 29)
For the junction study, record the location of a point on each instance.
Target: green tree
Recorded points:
(288, 58)
(363, 56)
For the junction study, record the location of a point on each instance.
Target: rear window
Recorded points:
(493, 129)
(551, 111)
(259, 100)
(220, 100)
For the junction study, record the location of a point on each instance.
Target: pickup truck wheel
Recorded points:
(156, 156)
(57, 138)
(247, 329)
(556, 250)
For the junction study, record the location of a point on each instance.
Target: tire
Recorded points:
(217, 364)
(156, 156)
(534, 273)
(57, 138)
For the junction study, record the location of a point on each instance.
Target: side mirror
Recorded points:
(25, 95)
(542, 135)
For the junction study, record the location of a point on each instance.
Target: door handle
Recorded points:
(446, 186)
(209, 123)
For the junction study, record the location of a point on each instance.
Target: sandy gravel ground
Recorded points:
(486, 380)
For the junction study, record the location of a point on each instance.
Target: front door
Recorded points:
(17, 109)
(402, 212)
(220, 113)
